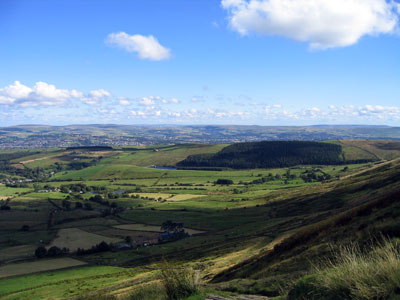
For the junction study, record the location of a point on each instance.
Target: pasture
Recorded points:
(74, 238)
(12, 253)
(10, 270)
(63, 283)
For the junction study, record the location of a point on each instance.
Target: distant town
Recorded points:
(42, 136)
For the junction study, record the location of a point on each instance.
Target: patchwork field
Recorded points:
(74, 238)
(168, 197)
(152, 228)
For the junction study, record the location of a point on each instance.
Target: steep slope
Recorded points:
(355, 209)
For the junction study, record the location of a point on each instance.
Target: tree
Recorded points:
(103, 246)
(64, 189)
(25, 227)
(54, 251)
(170, 226)
(224, 181)
(78, 205)
(40, 252)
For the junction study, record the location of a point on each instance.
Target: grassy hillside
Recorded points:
(354, 210)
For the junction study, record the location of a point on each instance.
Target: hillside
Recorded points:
(275, 154)
(357, 209)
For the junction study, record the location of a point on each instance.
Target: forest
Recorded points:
(268, 154)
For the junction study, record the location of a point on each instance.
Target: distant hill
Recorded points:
(44, 136)
(269, 154)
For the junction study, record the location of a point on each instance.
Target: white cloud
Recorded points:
(98, 94)
(44, 94)
(174, 100)
(147, 101)
(147, 47)
(124, 102)
(198, 99)
(321, 23)
(94, 97)
(12, 92)
(41, 94)
(334, 114)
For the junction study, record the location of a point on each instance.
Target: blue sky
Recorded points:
(264, 62)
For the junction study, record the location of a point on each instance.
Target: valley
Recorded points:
(105, 221)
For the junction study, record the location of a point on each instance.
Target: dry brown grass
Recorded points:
(38, 266)
(364, 276)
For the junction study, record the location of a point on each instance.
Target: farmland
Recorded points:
(38, 266)
(81, 201)
(74, 238)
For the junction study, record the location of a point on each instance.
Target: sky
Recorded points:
(255, 62)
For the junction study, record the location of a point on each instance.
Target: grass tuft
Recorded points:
(152, 291)
(354, 274)
(179, 283)
(176, 284)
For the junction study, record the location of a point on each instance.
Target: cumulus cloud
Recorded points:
(44, 94)
(322, 23)
(347, 113)
(41, 94)
(153, 101)
(9, 94)
(147, 47)
(94, 97)
(370, 112)
(198, 99)
(147, 101)
(124, 102)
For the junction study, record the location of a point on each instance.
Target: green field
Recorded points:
(119, 199)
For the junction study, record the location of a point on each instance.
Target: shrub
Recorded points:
(179, 283)
(224, 181)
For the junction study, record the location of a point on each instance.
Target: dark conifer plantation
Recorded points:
(274, 154)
